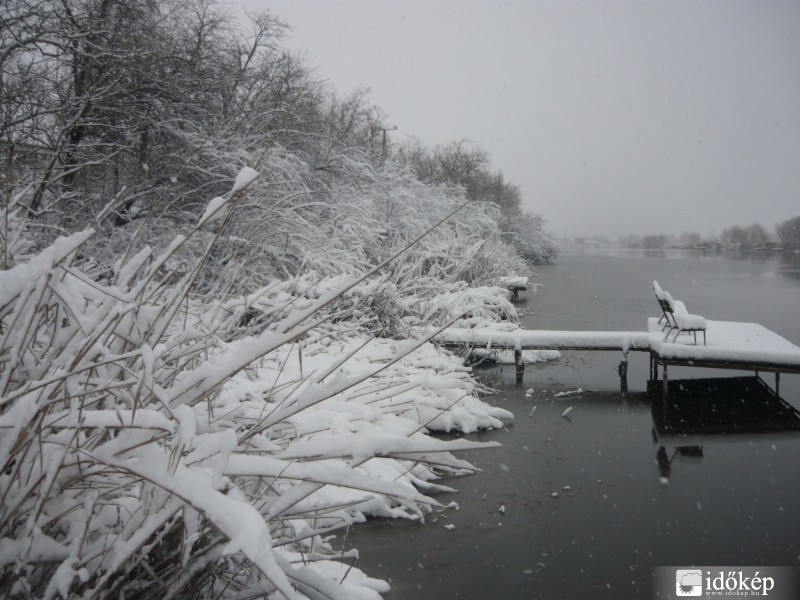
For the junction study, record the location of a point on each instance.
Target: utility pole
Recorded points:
(384, 130)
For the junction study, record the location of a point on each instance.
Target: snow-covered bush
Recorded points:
(529, 238)
(154, 444)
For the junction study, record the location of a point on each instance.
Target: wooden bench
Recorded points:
(676, 318)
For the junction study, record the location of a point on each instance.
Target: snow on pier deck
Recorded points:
(730, 345)
(507, 337)
(514, 284)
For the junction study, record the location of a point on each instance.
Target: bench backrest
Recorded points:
(665, 305)
(664, 298)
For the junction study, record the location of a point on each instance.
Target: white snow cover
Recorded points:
(245, 177)
(135, 425)
(514, 281)
(507, 356)
(15, 279)
(568, 393)
(508, 335)
(729, 341)
(687, 321)
(660, 293)
(214, 210)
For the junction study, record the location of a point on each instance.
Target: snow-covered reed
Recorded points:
(153, 444)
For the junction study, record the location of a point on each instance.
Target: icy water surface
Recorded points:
(586, 506)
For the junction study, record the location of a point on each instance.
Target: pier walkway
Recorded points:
(514, 284)
(730, 345)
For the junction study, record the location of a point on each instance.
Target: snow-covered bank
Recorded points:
(157, 445)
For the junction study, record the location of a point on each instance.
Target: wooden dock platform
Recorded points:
(514, 284)
(730, 345)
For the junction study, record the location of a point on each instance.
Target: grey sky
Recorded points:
(613, 117)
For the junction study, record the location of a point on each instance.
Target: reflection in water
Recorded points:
(664, 460)
(723, 406)
(789, 265)
(708, 410)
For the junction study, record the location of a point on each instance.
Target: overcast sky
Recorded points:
(612, 117)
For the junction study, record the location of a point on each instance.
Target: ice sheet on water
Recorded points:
(568, 393)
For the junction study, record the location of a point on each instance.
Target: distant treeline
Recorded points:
(752, 237)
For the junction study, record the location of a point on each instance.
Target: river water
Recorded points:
(588, 505)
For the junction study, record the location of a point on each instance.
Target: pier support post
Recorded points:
(665, 388)
(623, 373)
(777, 383)
(520, 365)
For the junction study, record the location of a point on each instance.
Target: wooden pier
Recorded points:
(731, 345)
(514, 284)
